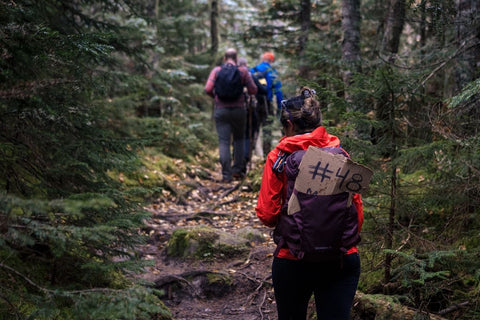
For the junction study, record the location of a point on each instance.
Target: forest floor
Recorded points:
(226, 206)
(234, 288)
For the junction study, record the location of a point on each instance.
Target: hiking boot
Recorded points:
(238, 176)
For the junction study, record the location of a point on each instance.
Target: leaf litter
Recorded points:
(227, 207)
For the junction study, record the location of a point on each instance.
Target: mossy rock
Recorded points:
(218, 285)
(195, 283)
(206, 243)
(382, 307)
(251, 234)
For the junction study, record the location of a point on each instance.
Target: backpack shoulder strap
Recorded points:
(220, 67)
(336, 150)
(279, 164)
(264, 72)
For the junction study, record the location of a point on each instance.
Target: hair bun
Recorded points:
(307, 92)
(302, 110)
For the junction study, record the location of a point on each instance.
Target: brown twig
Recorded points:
(453, 308)
(262, 303)
(262, 282)
(235, 187)
(174, 217)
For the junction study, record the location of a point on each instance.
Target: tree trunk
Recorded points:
(391, 223)
(393, 28)
(468, 36)
(386, 113)
(423, 24)
(305, 19)
(351, 42)
(214, 26)
(157, 5)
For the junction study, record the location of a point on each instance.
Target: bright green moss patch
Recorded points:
(205, 243)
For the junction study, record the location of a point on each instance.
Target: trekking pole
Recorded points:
(254, 141)
(250, 132)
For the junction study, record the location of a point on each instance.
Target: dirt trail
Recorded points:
(226, 207)
(242, 287)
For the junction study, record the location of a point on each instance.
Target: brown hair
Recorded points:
(303, 111)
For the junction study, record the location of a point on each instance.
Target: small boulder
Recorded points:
(203, 242)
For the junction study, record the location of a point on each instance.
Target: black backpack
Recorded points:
(324, 228)
(260, 80)
(228, 84)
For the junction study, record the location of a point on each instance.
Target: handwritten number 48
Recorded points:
(352, 184)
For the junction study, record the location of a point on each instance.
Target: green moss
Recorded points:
(178, 243)
(229, 251)
(217, 278)
(196, 242)
(251, 234)
(205, 243)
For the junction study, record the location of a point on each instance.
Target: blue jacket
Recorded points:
(273, 82)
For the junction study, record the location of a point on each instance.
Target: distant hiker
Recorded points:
(252, 126)
(225, 84)
(332, 272)
(261, 73)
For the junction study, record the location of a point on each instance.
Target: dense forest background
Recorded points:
(99, 98)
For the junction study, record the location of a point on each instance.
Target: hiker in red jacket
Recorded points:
(294, 280)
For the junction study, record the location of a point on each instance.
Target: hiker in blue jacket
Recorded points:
(265, 104)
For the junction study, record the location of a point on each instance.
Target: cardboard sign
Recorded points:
(324, 173)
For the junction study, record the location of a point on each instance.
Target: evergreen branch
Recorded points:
(56, 292)
(29, 89)
(28, 280)
(457, 52)
(12, 306)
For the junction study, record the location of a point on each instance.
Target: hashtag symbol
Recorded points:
(319, 171)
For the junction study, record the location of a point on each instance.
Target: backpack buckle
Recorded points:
(279, 164)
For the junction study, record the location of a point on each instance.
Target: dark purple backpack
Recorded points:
(324, 228)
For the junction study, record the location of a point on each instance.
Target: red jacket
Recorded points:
(273, 189)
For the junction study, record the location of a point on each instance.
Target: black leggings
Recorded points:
(333, 285)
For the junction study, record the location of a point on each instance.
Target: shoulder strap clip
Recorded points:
(279, 164)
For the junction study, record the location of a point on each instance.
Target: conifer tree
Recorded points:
(415, 126)
(67, 228)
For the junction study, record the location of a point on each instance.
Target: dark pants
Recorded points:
(251, 133)
(333, 285)
(265, 120)
(230, 122)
